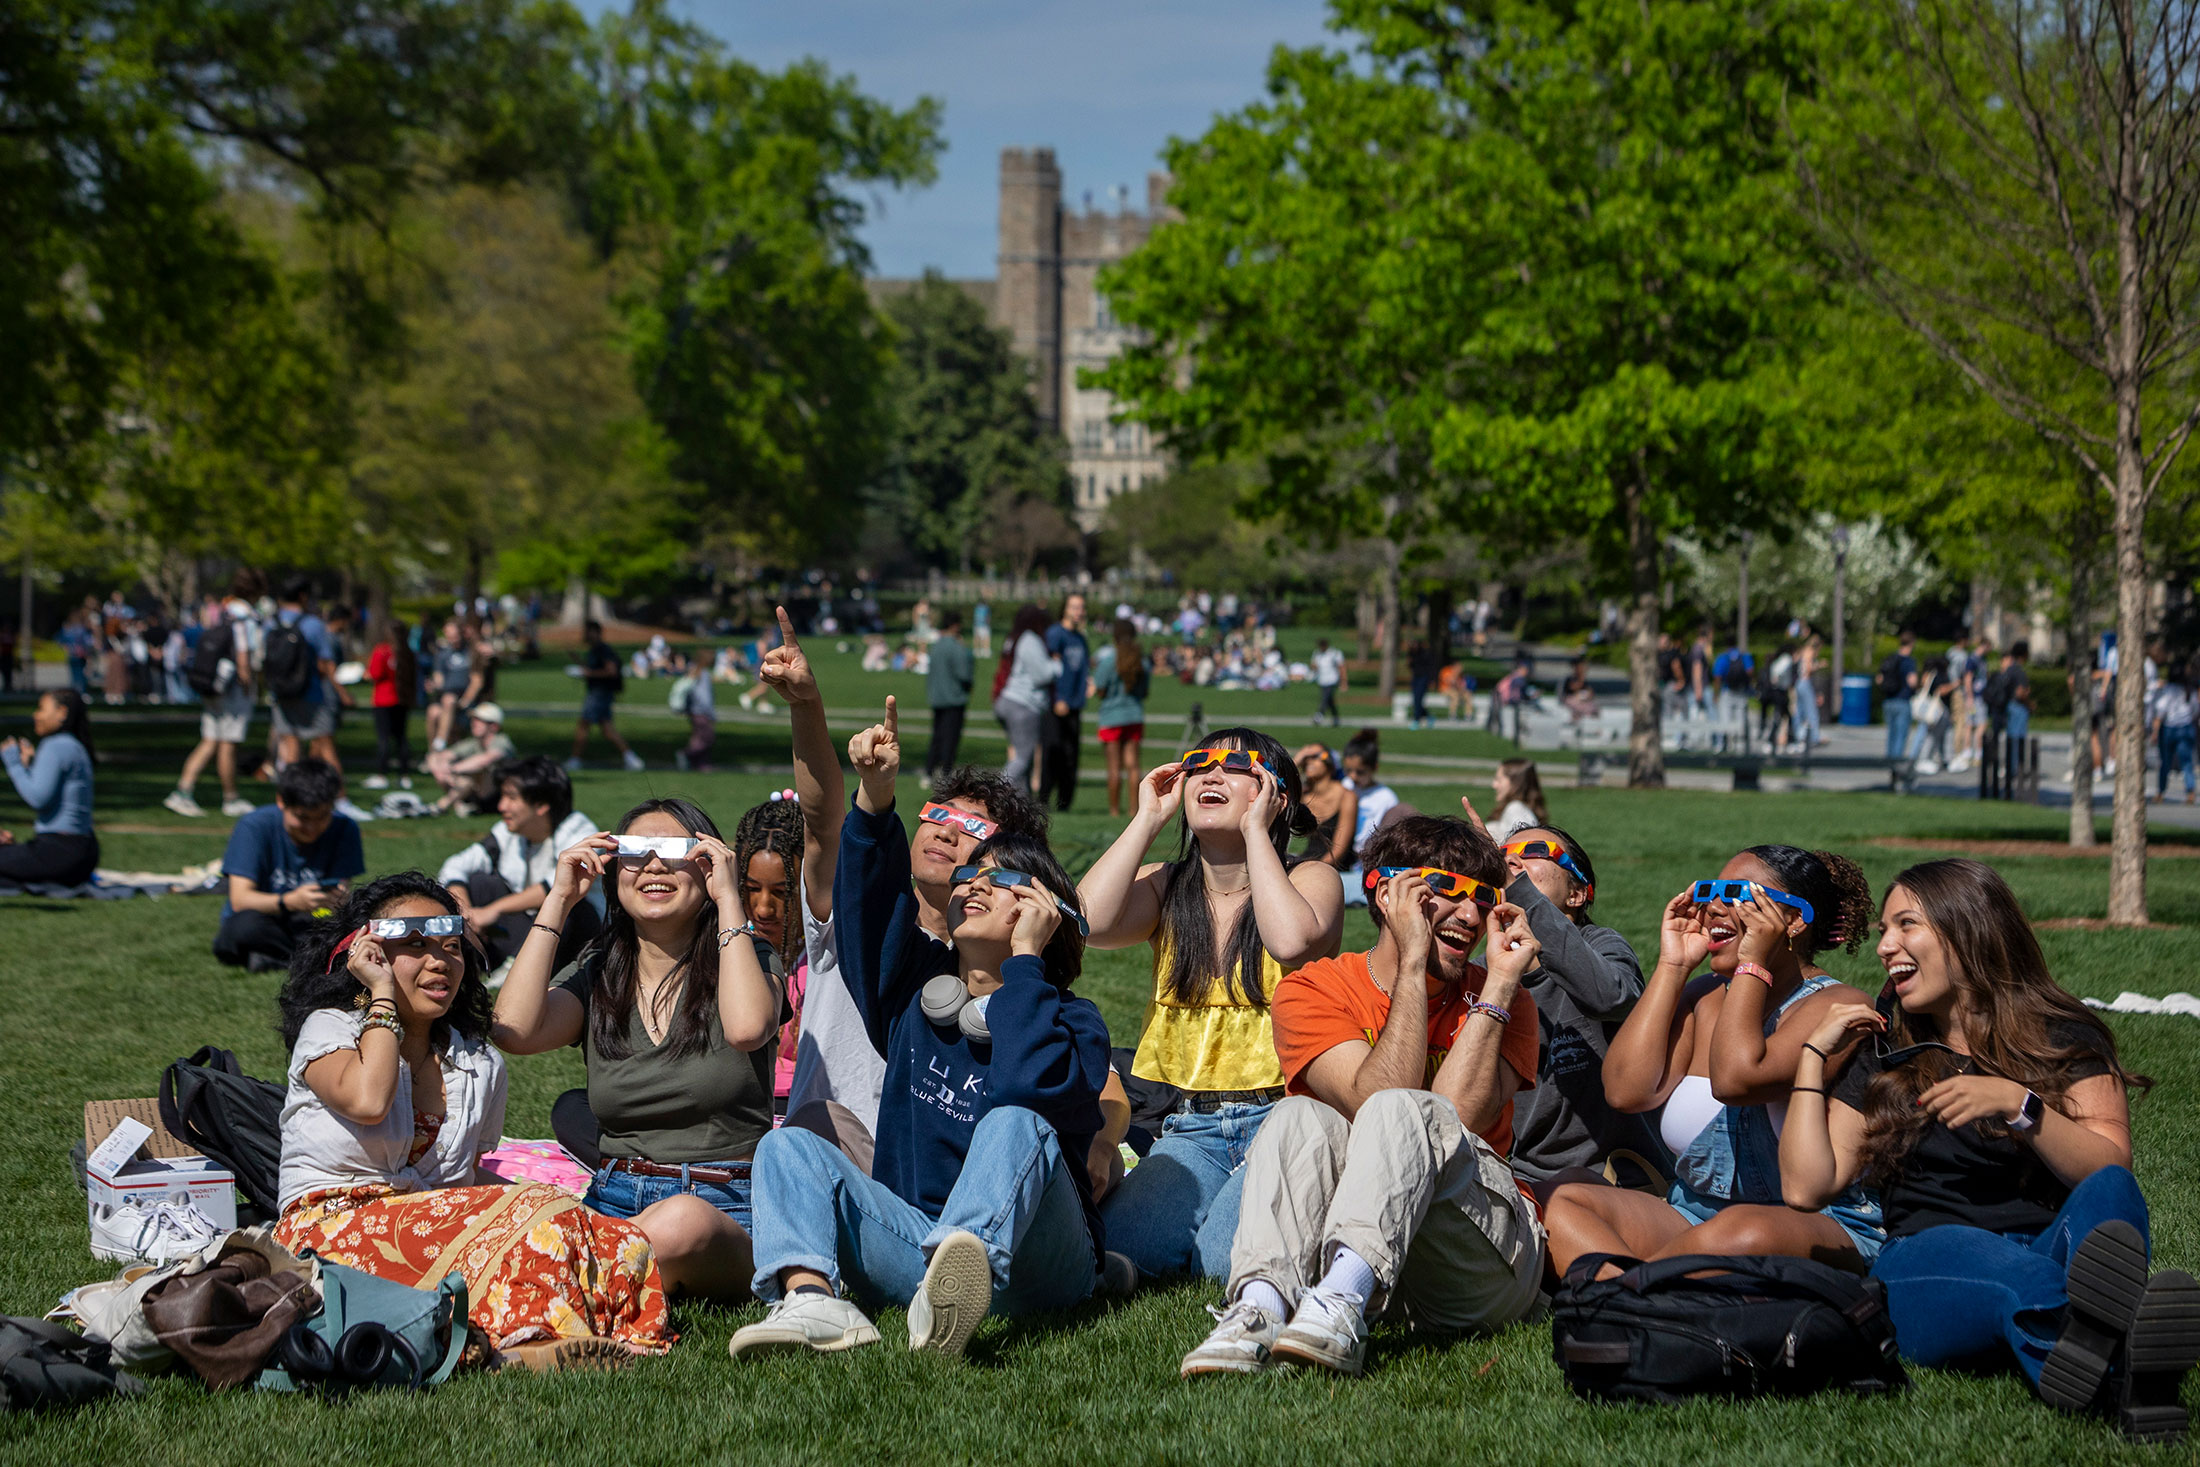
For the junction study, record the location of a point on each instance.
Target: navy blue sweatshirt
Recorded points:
(1048, 1054)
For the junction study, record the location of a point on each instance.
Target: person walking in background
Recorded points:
(1021, 691)
(1897, 685)
(1120, 681)
(1421, 667)
(224, 673)
(947, 679)
(450, 669)
(2008, 700)
(1735, 673)
(2176, 707)
(1329, 678)
(1808, 729)
(391, 672)
(1064, 722)
(602, 680)
(301, 679)
(54, 778)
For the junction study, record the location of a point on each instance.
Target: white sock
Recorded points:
(1349, 1274)
(1264, 1295)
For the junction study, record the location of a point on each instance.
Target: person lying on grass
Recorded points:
(1586, 978)
(1989, 1108)
(394, 1095)
(834, 1089)
(1718, 1052)
(979, 1198)
(1380, 1185)
(676, 1016)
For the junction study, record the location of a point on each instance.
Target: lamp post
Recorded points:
(1741, 602)
(1840, 608)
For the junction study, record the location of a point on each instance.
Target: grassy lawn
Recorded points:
(101, 996)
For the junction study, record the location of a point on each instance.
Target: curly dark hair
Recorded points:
(1011, 805)
(1835, 888)
(317, 983)
(1443, 841)
(774, 826)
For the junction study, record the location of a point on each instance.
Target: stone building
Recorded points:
(1044, 296)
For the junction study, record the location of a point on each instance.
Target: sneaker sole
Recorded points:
(2108, 1278)
(1295, 1352)
(2164, 1344)
(795, 1344)
(959, 1287)
(1220, 1366)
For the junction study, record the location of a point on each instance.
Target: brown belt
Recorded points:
(710, 1176)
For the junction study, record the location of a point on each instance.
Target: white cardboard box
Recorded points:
(115, 1176)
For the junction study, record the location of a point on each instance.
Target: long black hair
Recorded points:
(775, 826)
(617, 953)
(1187, 928)
(76, 719)
(1064, 954)
(315, 982)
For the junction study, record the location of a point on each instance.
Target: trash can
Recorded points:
(1856, 699)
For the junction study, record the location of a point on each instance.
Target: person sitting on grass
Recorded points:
(394, 1094)
(1989, 1108)
(54, 778)
(286, 864)
(1226, 920)
(1381, 1185)
(675, 1017)
(1333, 804)
(980, 1199)
(1718, 1053)
(767, 851)
(467, 769)
(1517, 791)
(1585, 978)
(501, 880)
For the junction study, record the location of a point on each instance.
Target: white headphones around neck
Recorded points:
(946, 1002)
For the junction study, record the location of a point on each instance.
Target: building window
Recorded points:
(1088, 435)
(1103, 315)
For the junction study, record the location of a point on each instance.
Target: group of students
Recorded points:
(838, 1062)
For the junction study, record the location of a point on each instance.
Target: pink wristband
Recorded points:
(1754, 971)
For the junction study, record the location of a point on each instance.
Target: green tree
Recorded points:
(966, 437)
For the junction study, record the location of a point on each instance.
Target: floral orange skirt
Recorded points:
(537, 1265)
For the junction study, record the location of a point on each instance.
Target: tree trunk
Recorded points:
(575, 609)
(1645, 744)
(2127, 856)
(1387, 598)
(1363, 625)
(2077, 633)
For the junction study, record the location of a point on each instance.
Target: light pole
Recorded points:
(1840, 609)
(1741, 603)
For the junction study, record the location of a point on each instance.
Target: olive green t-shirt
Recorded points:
(711, 1106)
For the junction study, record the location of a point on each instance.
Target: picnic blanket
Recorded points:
(110, 886)
(2128, 1002)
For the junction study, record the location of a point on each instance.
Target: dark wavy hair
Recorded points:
(774, 826)
(617, 953)
(312, 985)
(1010, 803)
(1064, 954)
(1835, 888)
(1186, 931)
(1997, 967)
(1443, 841)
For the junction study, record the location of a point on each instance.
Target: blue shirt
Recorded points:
(1048, 1054)
(1075, 656)
(263, 853)
(315, 631)
(56, 784)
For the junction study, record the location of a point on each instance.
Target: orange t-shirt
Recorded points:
(1333, 1001)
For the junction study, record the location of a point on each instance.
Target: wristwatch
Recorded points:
(2028, 1114)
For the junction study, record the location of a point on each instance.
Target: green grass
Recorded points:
(99, 997)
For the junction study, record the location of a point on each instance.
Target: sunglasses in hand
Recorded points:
(1229, 761)
(1003, 877)
(962, 820)
(1447, 884)
(1742, 893)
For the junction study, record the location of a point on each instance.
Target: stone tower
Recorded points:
(1029, 295)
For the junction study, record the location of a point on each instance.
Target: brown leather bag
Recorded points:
(225, 1321)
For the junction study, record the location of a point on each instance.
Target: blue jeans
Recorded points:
(1898, 727)
(815, 1210)
(1964, 1296)
(622, 1194)
(2178, 742)
(1178, 1209)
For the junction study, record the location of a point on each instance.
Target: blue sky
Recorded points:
(1104, 82)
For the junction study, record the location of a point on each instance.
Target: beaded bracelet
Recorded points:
(747, 929)
(377, 1019)
(1503, 1016)
(1755, 971)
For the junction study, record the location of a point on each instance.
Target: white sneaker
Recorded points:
(1926, 767)
(2109, 769)
(238, 808)
(633, 760)
(183, 805)
(1243, 1335)
(1329, 1330)
(805, 1322)
(375, 782)
(573, 765)
(161, 1232)
(344, 806)
(952, 1301)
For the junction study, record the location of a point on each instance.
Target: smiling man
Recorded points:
(1380, 1184)
(501, 880)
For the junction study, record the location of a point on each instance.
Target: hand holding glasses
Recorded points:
(1006, 879)
(1447, 884)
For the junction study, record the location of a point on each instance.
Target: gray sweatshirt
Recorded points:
(1588, 980)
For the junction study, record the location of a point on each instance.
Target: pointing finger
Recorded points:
(891, 723)
(786, 627)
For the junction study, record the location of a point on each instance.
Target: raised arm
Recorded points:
(1747, 1067)
(1604, 979)
(1300, 912)
(1121, 893)
(1474, 1076)
(818, 782)
(37, 781)
(1822, 1140)
(361, 1084)
(1650, 1054)
(874, 905)
(531, 1016)
(748, 997)
(1050, 1053)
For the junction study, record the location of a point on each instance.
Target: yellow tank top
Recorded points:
(1216, 1044)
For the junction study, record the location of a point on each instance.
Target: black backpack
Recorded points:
(1891, 682)
(204, 673)
(43, 1365)
(1752, 1327)
(289, 661)
(209, 1102)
